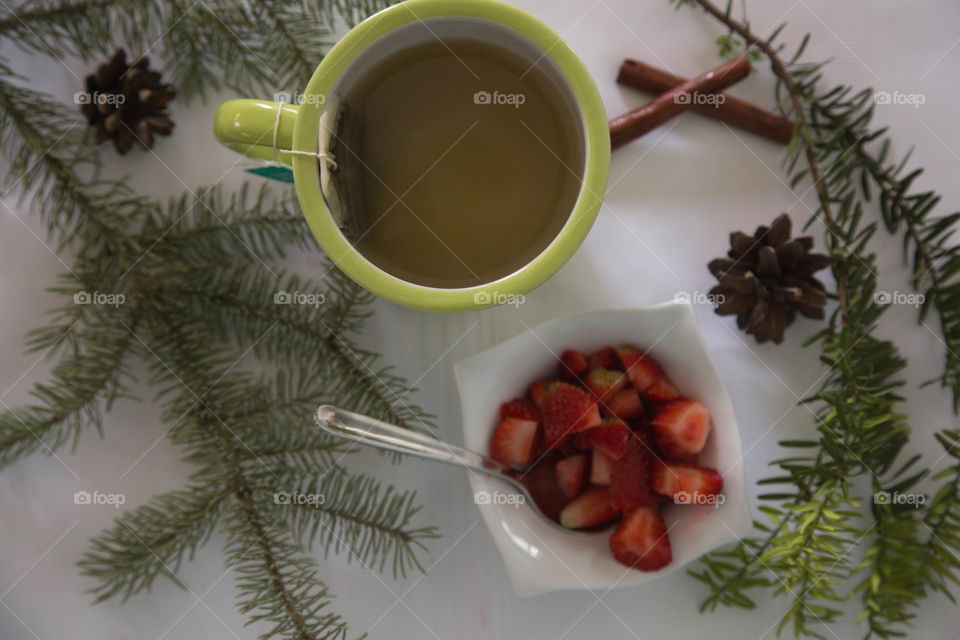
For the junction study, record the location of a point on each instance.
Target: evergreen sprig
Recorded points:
(251, 47)
(197, 292)
(816, 516)
(43, 143)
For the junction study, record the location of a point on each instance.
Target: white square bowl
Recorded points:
(539, 557)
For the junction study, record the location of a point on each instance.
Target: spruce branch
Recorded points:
(82, 387)
(49, 26)
(295, 37)
(838, 121)
(933, 258)
(355, 515)
(206, 228)
(890, 582)
(278, 583)
(247, 436)
(199, 276)
(939, 561)
(834, 138)
(244, 303)
(251, 47)
(150, 541)
(44, 147)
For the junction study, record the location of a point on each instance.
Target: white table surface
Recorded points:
(674, 197)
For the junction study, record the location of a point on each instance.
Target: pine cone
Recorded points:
(127, 103)
(768, 278)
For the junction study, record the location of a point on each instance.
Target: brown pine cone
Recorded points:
(127, 103)
(767, 278)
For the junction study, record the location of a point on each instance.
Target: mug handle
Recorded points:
(247, 126)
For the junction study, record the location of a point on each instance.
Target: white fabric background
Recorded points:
(674, 196)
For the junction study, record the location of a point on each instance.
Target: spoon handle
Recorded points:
(382, 435)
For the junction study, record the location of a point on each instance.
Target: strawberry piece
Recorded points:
(600, 466)
(641, 541)
(630, 476)
(538, 390)
(567, 409)
(642, 370)
(685, 483)
(625, 404)
(603, 383)
(512, 442)
(520, 408)
(571, 474)
(681, 427)
(661, 391)
(582, 440)
(605, 358)
(611, 437)
(572, 364)
(591, 508)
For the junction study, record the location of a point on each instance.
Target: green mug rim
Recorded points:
(509, 287)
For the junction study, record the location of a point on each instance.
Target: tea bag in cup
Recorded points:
(340, 137)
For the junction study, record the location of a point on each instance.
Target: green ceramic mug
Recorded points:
(252, 127)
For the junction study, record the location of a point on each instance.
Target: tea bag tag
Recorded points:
(280, 173)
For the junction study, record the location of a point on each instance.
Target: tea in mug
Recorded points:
(465, 161)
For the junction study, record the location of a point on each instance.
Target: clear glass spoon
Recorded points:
(383, 435)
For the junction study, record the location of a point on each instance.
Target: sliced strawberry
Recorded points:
(625, 404)
(571, 474)
(572, 364)
(630, 476)
(681, 427)
(642, 370)
(538, 390)
(603, 383)
(520, 408)
(605, 358)
(611, 437)
(661, 391)
(591, 508)
(600, 466)
(685, 482)
(582, 440)
(567, 409)
(641, 541)
(512, 442)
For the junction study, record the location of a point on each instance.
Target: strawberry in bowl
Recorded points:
(621, 441)
(588, 465)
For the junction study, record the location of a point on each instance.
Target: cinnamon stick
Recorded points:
(733, 111)
(675, 101)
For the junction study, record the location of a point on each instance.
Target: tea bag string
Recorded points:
(322, 156)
